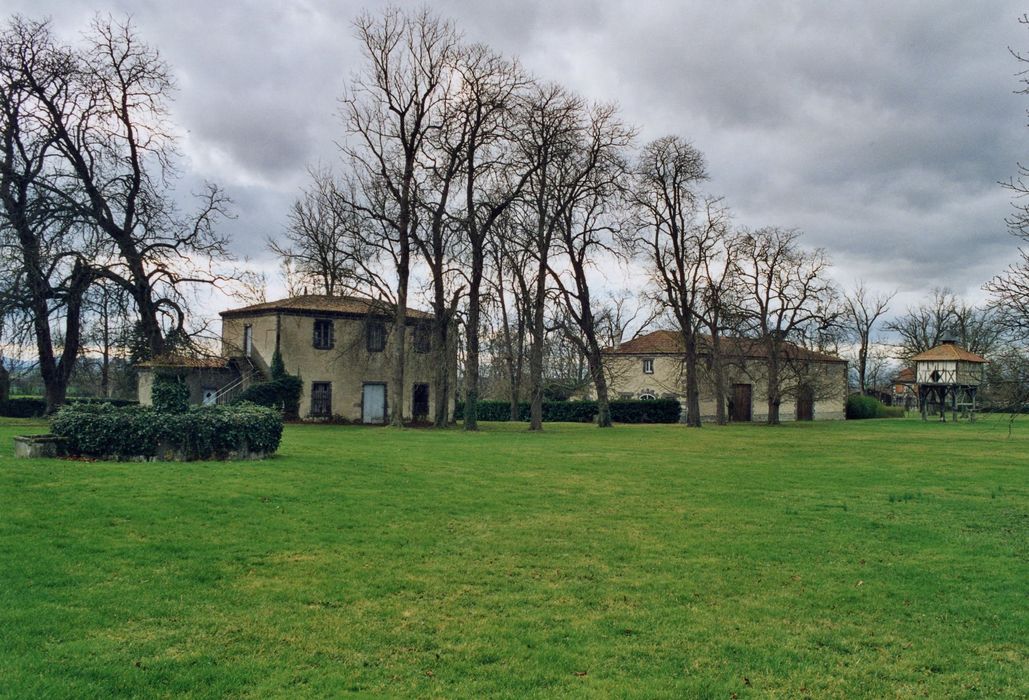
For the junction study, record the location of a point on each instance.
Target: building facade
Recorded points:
(813, 384)
(342, 349)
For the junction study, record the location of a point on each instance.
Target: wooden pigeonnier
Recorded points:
(948, 375)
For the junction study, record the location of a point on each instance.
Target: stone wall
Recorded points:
(828, 381)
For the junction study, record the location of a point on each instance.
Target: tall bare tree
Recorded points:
(1010, 289)
(318, 235)
(861, 312)
(510, 285)
(944, 315)
(718, 248)
(117, 158)
(494, 176)
(787, 292)
(389, 112)
(668, 229)
(45, 252)
(587, 228)
(553, 122)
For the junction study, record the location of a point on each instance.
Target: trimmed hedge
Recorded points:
(622, 411)
(282, 393)
(656, 411)
(202, 432)
(860, 407)
(25, 407)
(35, 406)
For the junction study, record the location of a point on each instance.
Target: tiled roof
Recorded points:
(948, 351)
(323, 303)
(186, 361)
(905, 376)
(665, 342)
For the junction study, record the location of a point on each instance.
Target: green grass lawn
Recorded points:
(862, 559)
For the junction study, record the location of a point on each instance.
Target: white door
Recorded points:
(373, 403)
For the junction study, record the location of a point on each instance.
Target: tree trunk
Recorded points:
(441, 414)
(774, 396)
(536, 350)
(471, 365)
(718, 372)
(692, 381)
(596, 368)
(399, 342)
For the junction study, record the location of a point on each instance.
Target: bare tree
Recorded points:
(787, 292)
(116, 160)
(945, 316)
(554, 120)
(587, 228)
(510, 285)
(493, 179)
(718, 248)
(1010, 289)
(390, 111)
(668, 229)
(46, 252)
(926, 325)
(861, 312)
(318, 233)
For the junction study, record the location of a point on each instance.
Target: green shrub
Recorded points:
(656, 411)
(35, 406)
(23, 407)
(282, 393)
(622, 411)
(170, 394)
(278, 367)
(891, 411)
(860, 407)
(202, 432)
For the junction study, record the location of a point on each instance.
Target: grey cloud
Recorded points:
(879, 128)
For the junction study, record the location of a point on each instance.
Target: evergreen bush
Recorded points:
(622, 411)
(860, 407)
(35, 406)
(201, 432)
(170, 393)
(282, 393)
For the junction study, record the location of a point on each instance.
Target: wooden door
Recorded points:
(420, 403)
(806, 404)
(373, 403)
(739, 408)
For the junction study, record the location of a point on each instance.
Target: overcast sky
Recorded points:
(879, 129)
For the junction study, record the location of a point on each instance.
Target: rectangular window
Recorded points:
(248, 340)
(321, 399)
(648, 366)
(422, 338)
(375, 335)
(324, 334)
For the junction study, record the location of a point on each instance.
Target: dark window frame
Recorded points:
(323, 402)
(324, 334)
(422, 341)
(375, 336)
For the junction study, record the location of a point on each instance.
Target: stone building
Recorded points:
(814, 384)
(341, 347)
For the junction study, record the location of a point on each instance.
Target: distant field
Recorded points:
(861, 559)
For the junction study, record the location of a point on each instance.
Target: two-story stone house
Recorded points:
(342, 349)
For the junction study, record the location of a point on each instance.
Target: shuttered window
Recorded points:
(422, 338)
(375, 335)
(324, 334)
